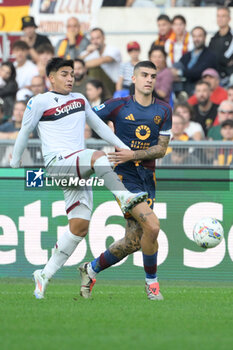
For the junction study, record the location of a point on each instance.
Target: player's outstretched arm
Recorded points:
(20, 145)
(31, 118)
(154, 152)
(102, 129)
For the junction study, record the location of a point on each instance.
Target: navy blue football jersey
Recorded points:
(139, 128)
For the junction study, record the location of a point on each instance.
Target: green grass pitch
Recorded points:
(119, 316)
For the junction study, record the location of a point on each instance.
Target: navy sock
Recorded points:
(150, 265)
(105, 260)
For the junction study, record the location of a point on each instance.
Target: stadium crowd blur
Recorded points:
(193, 76)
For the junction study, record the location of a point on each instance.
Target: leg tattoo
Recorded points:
(130, 243)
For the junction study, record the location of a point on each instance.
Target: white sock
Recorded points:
(64, 248)
(151, 280)
(103, 170)
(90, 271)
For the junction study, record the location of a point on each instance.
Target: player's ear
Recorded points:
(133, 79)
(51, 77)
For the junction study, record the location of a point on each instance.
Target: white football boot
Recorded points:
(41, 283)
(128, 202)
(87, 283)
(153, 292)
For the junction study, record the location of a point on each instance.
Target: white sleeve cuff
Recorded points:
(165, 132)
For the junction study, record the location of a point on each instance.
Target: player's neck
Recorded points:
(144, 100)
(56, 91)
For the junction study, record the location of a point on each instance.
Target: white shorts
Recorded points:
(78, 199)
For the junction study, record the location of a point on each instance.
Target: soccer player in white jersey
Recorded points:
(60, 118)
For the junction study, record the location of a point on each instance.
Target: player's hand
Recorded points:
(121, 156)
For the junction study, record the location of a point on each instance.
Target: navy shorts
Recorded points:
(138, 179)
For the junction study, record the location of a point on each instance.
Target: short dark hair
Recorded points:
(184, 105)
(56, 63)
(230, 87)
(164, 18)
(228, 122)
(201, 82)
(99, 29)
(21, 45)
(201, 28)
(98, 85)
(179, 17)
(80, 61)
(157, 48)
(145, 64)
(45, 48)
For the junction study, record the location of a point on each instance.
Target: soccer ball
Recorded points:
(208, 233)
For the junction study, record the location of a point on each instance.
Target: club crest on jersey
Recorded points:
(67, 108)
(56, 99)
(98, 108)
(157, 119)
(142, 132)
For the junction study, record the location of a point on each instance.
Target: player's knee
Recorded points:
(96, 155)
(152, 231)
(79, 232)
(77, 229)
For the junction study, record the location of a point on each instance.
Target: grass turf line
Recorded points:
(119, 316)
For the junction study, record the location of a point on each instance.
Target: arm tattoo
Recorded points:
(154, 152)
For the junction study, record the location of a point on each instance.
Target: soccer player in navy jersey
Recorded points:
(143, 123)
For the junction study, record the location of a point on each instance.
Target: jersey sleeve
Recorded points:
(166, 125)
(101, 128)
(31, 117)
(103, 111)
(108, 110)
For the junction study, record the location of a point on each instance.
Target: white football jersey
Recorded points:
(60, 120)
